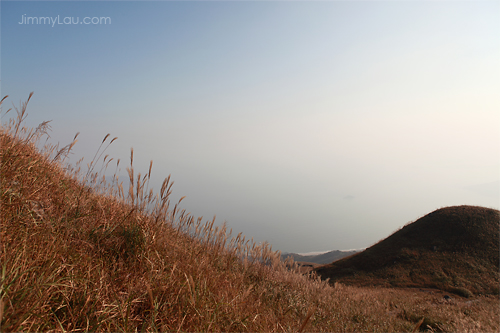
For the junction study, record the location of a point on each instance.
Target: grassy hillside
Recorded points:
(80, 254)
(454, 249)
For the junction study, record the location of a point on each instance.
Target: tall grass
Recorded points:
(80, 253)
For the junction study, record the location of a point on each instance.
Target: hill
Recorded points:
(323, 258)
(454, 249)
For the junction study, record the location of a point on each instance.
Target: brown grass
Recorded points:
(81, 254)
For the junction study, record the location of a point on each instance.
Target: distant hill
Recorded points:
(454, 249)
(323, 258)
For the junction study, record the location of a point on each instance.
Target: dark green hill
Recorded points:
(453, 248)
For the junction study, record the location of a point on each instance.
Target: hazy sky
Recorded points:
(312, 125)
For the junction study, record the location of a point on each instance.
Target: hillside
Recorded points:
(323, 258)
(454, 249)
(80, 254)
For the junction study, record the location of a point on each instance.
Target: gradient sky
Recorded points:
(312, 125)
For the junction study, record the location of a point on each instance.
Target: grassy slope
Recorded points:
(454, 249)
(93, 258)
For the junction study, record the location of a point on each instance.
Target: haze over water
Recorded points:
(311, 125)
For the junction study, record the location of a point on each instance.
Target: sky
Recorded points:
(313, 126)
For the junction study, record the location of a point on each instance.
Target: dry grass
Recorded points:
(80, 254)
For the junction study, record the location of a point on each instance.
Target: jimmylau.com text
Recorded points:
(57, 20)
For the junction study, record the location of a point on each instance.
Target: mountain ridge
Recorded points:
(321, 258)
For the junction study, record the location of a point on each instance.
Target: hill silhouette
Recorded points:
(454, 249)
